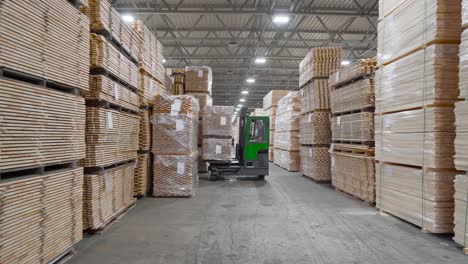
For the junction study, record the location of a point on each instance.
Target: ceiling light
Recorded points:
(250, 80)
(233, 44)
(280, 19)
(242, 100)
(260, 60)
(345, 63)
(239, 105)
(164, 60)
(128, 18)
(245, 92)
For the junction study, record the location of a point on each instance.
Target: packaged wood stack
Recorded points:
(217, 132)
(315, 131)
(259, 112)
(175, 126)
(178, 80)
(270, 105)
(286, 135)
(416, 88)
(44, 68)
(352, 152)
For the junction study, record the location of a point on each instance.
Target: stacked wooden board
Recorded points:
(198, 79)
(315, 130)
(175, 129)
(177, 76)
(416, 88)
(217, 132)
(286, 135)
(151, 53)
(270, 105)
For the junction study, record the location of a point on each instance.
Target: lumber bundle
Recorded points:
(217, 121)
(353, 71)
(106, 20)
(204, 99)
(145, 130)
(354, 174)
(52, 42)
(387, 6)
(41, 216)
(288, 160)
(315, 95)
(104, 55)
(288, 140)
(315, 128)
(423, 197)
(315, 163)
(142, 174)
(198, 79)
(358, 127)
(272, 98)
(463, 66)
(151, 51)
(174, 135)
(104, 88)
(426, 77)
(106, 195)
(149, 88)
(319, 63)
(179, 104)
(415, 24)
(175, 175)
(355, 96)
(111, 136)
(461, 140)
(461, 210)
(39, 126)
(216, 148)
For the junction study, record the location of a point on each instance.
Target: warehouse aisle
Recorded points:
(286, 219)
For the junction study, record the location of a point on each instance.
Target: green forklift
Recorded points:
(251, 151)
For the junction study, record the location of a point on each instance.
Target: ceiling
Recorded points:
(197, 32)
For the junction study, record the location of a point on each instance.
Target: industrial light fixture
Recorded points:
(280, 19)
(245, 92)
(242, 100)
(164, 60)
(233, 44)
(239, 105)
(250, 80)
(345, 62)
(128, 18)
(260, 60)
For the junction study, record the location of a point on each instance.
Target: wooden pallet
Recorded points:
(354, 149)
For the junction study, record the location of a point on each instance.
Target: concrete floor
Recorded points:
(286, 219)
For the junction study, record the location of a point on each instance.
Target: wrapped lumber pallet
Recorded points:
(388, 6)
(104, 55)
(315, 163)
(352, 97)
(354, 174)
(421, 137)
(149, 88)
(104, 88)
(355, 70)
(203, 99)
(47, 39)
(111, 136)
(272, 98)
(423, 197)
(287, 141)
(358, 127)
(217, 121)
(461, 211)
(198, 79)
(142, 176)
(288, 160)
(216, 149)
(319, 63)
(175, 175)
(426, 77)
(39, 126)
(180, 104)
(315, 95)
(463, 65)
(174, 135)
(107, 194)
(41, 216)
(315, 128)
(415, 24)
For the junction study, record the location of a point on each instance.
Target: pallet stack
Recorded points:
(286, 135)
(178, 80)
(416, 88)
(175, 128)
(217, 132)
(112, 116)
(43, 68)
(270, 106)
(352, 105)
(315, 129)
(461, 142)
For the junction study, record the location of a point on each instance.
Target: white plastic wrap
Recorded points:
(198, 79)
(272, 98)
(204, 99)
(357, 127)
(217, 121)
(175, 175)
(217, 148)
(461, 210)
(174, 135)
(287, 114)
(176, 104)
(287, 141)
(463, 66)
(461, 140)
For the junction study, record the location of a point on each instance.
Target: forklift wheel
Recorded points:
(261, 177)
(212, 176)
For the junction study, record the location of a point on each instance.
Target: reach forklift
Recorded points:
(251, 151)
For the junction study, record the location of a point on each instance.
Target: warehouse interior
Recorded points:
(233, 131)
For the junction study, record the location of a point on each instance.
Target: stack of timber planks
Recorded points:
(315, 131)
(112, 116)
(416, 88)
(217, 132)
(461, 141)
(177, 80)
(270, 107)
(175, 129)
(44, 67)
(286, 135)
(352, 123)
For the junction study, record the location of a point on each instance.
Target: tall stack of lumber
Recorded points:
(315, 131)
(270, 107)
(198, 83)
(286, 135)
(175, 129)
(217, 132)
(112, 115)
(352, 123)
(44, 67)
(461, 141)
(178, 80)
(416, 88)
